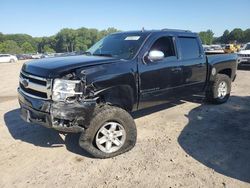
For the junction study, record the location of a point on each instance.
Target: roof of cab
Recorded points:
(169, 31)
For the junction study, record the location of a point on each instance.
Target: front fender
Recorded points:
(121, 96)
(114, 83)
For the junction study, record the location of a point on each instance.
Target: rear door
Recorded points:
(193, 63)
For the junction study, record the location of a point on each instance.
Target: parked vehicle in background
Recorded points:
(20, 57)
(207, 48)
(93, 94)
(23, 56)
(213, 49)
(44, 56)
(244, 55)
(217, 49)
(36, 56)
(7, 58)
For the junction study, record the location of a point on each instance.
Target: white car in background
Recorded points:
(36, 56)
(7, 58)
(217, 49)
(213, 49)
(244, 55)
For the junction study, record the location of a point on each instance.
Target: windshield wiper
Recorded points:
(106, 55)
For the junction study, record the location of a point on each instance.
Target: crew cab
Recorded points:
(95, 93)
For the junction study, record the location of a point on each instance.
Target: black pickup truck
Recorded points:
(124, 72)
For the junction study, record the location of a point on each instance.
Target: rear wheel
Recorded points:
(111, 132)
(219, 90)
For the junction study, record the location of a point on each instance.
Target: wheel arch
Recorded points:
(227, 71)
(121, 96)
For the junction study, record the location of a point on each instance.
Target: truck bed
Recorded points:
(213, 59)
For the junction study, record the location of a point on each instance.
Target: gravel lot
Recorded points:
(183, 144)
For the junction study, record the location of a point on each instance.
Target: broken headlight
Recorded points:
(66, 89)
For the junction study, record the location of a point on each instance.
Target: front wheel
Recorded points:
(111, 132)
(219, 90)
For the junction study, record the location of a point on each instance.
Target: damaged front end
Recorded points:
(69, 107)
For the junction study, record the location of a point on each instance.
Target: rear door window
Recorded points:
(189, 47)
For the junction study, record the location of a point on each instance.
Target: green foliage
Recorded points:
(47, 49)
(237, 35)
(27, 48)
(225, 37)
(10, 46)
(68, 40)
(207, 37)
(20, 39)
(1, 37)
(247, 35)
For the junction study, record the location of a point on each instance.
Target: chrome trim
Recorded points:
(37, 87)
(35, 77)
(34, 86)
(32, 96)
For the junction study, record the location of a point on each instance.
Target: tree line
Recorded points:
(237, 35)
(69, 40)
(66, 40)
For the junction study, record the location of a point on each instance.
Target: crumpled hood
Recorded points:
(244, 52)
(54, 67)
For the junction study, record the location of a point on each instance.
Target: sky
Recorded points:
(47, 17)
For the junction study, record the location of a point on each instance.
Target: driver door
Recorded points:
(162, 79)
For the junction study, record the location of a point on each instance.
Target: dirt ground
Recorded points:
(183, 144)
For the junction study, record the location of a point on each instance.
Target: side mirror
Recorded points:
(155, 55)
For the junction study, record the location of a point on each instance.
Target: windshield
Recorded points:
(246, 47)
(119, 45)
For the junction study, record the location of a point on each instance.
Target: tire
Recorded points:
(104, 116)
(215, 93)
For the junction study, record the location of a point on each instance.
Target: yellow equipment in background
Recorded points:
(231, 48)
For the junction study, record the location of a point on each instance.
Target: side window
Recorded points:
(164, 44)
(189, 47)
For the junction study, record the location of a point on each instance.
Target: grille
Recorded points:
(34, 86)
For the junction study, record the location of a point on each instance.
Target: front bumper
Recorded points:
(66, 117)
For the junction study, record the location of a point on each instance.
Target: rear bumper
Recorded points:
(66, 117)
